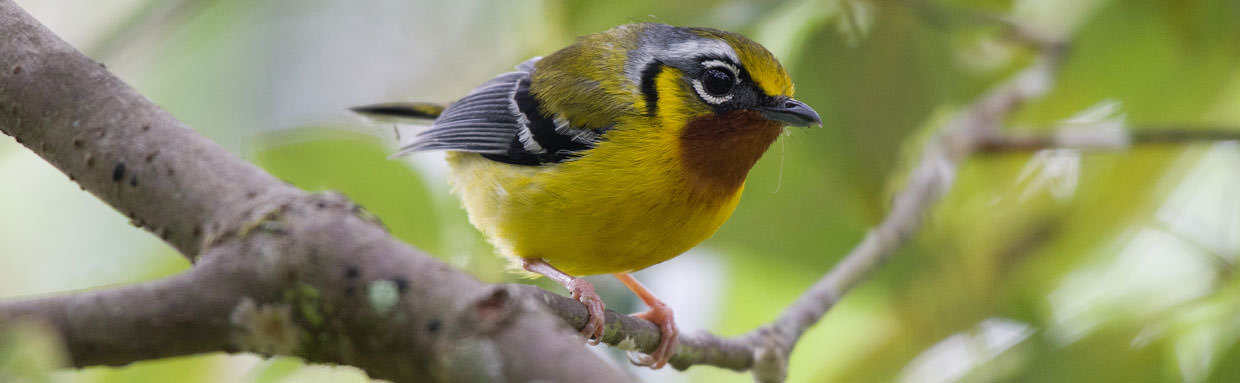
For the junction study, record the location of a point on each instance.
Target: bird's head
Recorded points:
(714, 99)
(724, 97)
(712, 72)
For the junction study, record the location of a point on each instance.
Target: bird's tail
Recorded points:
(401, 110)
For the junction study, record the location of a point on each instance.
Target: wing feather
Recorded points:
(502, 120)
(485, 121)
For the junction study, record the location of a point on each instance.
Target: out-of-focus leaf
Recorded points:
(29, 352)
(186, 369)
(277, 369)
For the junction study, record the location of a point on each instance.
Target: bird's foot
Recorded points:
(583, 292)
(661, 315)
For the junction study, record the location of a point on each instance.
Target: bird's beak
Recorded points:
(791, 112)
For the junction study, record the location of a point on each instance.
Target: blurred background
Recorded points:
(1049, 266)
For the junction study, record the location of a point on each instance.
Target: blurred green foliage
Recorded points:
(1051, 266)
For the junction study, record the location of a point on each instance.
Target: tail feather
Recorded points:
(413, 110)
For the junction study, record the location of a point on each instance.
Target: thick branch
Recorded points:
(126, 324)
(279, 271)
(116, 143)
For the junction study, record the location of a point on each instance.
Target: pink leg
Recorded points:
(661, 315)
(581, 291)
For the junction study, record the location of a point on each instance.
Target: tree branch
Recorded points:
(278, 271)
(314, 276)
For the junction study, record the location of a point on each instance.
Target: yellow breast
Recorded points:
(616, 209)
(652, 189)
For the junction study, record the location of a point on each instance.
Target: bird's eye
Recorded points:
(717, 82)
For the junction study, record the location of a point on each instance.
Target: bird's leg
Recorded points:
(661, 315)
(581, 290)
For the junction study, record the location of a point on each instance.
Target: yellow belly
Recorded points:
(607, 212)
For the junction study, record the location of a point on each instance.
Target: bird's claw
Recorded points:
(660, 315)
(639, 359)
(583, 292)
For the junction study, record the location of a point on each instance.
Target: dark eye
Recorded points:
(717, 82)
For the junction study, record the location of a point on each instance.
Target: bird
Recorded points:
(613, 154)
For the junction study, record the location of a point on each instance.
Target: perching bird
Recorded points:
(613, 154)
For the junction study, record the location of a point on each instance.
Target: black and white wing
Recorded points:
(503, 121)
(485, 121)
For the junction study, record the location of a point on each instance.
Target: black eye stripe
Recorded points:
(649, 91)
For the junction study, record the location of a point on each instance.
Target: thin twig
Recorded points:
(1108, 140)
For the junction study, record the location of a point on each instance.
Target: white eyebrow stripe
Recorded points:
(702, 47)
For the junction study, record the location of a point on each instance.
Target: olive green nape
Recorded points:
(587, 88)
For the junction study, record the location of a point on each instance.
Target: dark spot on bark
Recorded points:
(18, 139)
(352, 272)
(133, 181)
(197, 231)
(402, 284)
(77, 143)
(151, 156)
(171, 172)
(165, 234)
(433, 326)
(320, 204)
(251, 194)
(17, 69)
(146, 128)
(90, 161)
(491, 309)
(118, 172)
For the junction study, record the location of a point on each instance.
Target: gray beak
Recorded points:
(791, 112)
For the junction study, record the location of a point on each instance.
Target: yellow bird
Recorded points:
(613, 154)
